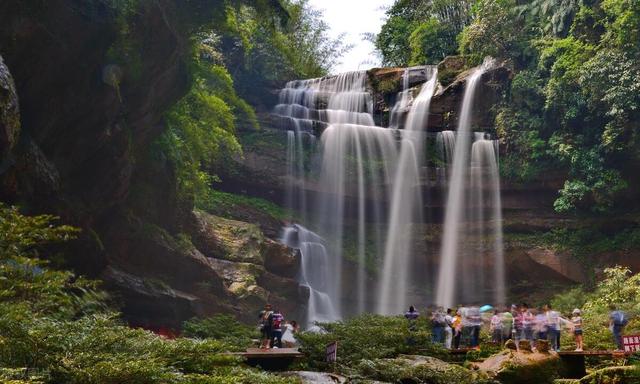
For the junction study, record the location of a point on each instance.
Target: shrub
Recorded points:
(367, 337)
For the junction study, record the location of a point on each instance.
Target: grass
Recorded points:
(228, 202)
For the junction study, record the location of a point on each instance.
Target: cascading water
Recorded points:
(485, 189)
(367, 189)
(366, 175)
(314, 271)
(402, 103)
(406, 205)
(445, 144)
(471, 185)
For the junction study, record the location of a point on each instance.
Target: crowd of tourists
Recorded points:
(275, 331)
(458, 327)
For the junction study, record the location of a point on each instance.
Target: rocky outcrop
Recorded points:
(9, 112)
(92, 103)
(513, 367)
(307, 377)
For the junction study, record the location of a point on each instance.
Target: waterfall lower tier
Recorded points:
(314, 272)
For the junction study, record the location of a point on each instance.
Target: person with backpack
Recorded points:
(265, 326)
(617, 321)
(277, 321)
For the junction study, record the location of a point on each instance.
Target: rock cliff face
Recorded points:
(92, 97)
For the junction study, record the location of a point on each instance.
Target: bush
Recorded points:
(58, 328)
(221, 327)
(367, 337)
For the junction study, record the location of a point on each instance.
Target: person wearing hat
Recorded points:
(576, 321)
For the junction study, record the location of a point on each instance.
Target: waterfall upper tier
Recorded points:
(377, 92)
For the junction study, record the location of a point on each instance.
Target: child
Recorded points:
(576, 321)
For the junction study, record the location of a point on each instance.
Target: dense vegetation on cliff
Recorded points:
(573, 104)
(244, 57)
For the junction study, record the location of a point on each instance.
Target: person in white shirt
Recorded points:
(448, 329)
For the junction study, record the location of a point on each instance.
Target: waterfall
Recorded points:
(362, 198)
(314, 272)
(485, 187)
(445, 144)
(473, 188)
(406, 206)
(402, 103)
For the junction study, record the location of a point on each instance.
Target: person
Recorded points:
(554, 323)
(524, 324)
(507, 325)
(457, 329)
(265, 326)
(448, 329)
(438, 325)
(539, 324)
(495, 326)
(288, 334)
(576, 321)
(475, 323)
(277, 321)
(617, 321)
(412, 317)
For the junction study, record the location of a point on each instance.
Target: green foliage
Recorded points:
(492, 32)
(58, 328)
(426, 370)
(201, 130)
(223, 202)
(427, 45)
(619, 288)
(421, 31)
(366, 337)
(263, 55)
(221, 327)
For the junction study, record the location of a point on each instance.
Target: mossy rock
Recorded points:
(450, 68)
(613, 375)
(512, 367)
(418, 369)
(227, 239)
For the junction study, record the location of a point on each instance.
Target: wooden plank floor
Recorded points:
(595, 353)
(271, 353)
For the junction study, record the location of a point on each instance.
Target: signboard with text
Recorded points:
(631, 343)
(331, 352)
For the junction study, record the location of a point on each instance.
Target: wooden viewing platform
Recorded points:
(270, 358)
(574, 361)
(596, 353)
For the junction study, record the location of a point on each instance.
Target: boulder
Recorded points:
(619, 375)
(280, 259)
(307, 377)
(241, 280)
(513, 367)
(227, 239)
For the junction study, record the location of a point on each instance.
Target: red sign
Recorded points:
(331, 353)
(631, 343)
